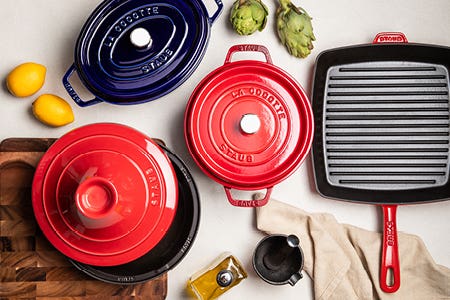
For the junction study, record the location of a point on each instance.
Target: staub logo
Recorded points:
(391, 38)
(390, 233)
(249, 48)
(126, 279)
(394, 37)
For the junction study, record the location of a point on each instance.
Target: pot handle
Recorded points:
(248, 203)
(390, 37)
(73, 94)
(248, 47)
(390, 265)
(218, 11)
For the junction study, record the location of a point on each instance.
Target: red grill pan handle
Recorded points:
(390, 264)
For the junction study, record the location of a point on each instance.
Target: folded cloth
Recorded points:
(344, 260)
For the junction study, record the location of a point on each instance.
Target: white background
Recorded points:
(45, 31)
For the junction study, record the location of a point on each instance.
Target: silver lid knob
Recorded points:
(250, 123)
(141, 38)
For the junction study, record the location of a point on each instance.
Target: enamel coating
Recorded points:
(248, 124)
(116, 67)
(104, 194)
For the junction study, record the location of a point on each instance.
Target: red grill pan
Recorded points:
(382, 130)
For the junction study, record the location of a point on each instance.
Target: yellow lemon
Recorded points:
(26, 79)
(52, 110)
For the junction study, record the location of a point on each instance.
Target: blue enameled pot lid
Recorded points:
(134, 51)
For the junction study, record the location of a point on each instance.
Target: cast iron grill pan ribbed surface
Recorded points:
(382, 123)
(387, 125)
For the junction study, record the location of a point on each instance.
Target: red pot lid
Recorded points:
(104, 194)
(249, 124)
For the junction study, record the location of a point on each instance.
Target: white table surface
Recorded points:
(45, 31)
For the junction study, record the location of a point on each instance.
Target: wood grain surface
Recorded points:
(30, 267)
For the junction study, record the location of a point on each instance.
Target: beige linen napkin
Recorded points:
(344, 260)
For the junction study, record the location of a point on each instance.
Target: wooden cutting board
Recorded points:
(30, 267)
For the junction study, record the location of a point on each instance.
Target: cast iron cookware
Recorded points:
(171, 249)
(105, 194)
(248, 125)
(134, 51)
(382, 130)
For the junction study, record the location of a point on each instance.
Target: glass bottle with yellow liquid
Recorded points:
(221, 275)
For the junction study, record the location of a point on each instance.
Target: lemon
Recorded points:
(52, 110)
(26, 79)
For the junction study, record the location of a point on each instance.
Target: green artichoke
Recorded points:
(247, 16)
(295, 29)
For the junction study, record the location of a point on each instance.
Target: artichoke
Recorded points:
(247, 16)
(295, 29)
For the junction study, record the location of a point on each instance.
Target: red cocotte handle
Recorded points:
(248, 203)
(248, 48)
(390, 265)
(390, 37)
